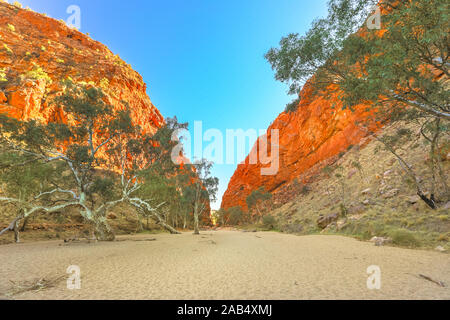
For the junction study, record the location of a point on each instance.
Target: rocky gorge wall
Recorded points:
(38, 52)
(308, 137)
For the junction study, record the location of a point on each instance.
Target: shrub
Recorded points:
(8, 49)
(404, 237)
(38, 73)
(292, 106)
(305, 190)
(292, 228)
(235, 215)
(269, 221)
(3, 75)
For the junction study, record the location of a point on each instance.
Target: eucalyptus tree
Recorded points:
(147, 165)
(400, 69)
(200, 189)
(257, 199)
(71, 151)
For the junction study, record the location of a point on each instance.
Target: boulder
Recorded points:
(380, 241)
(413, 199)
(446, 206)
(326, 220)
(356, 208)
(366, 191)
(351, 173)
(388, 173)
(390, 193)
(111, 216)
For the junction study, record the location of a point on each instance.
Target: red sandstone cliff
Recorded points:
(316, 132)
(37, 52)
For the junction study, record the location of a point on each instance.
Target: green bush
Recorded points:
(269, 221)
(403, 237)
(292, 106)
(235, 214)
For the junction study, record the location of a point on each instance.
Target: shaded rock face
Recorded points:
(37, 53)
(316, 132)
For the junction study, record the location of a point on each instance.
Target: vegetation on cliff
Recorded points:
(400, 71)
(94, 161)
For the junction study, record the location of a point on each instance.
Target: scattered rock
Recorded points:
(366, 202)
(380, 241)
(324, 221)
(366, 191)
(388, 173)
(351, 173)
(341, 224)
(111, 216)
(390, 193)
(332, 225)
(413, 199)
(356, 209)
(446, 206)
(440, 249)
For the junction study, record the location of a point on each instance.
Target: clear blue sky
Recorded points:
(201, 59)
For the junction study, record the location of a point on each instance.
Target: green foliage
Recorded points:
(258, 196)
(220, 216)
(292, 106)
(328, 170)
(404, 237)
(3, 75)
(38, 73)
(8, 49)
(104, 187)
(269, 221)
(235, 215)
(397, 68)
(23, 177)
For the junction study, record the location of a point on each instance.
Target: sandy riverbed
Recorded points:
(225, 265)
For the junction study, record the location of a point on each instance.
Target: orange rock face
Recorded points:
(317, 131)
(37, 53)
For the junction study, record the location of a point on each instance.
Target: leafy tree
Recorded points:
(201, 189)
(147, 166)
(235, 215)
(257, 199)
(73, 149)
(401, 70)
(269, 221)
(220, 216)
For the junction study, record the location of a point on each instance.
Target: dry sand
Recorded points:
(226, 265)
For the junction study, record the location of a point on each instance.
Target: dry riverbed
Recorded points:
(221, 265)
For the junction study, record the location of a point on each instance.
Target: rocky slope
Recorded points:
(37, 52)
(309, 138)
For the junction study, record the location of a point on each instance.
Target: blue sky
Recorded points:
(202, 60)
